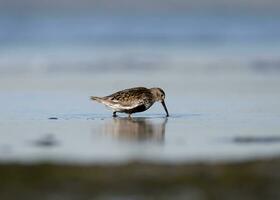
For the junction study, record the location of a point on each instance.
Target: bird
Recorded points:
(132, 100)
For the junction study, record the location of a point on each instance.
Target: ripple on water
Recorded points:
(90, 116)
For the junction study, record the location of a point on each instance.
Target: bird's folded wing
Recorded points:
(129, 99)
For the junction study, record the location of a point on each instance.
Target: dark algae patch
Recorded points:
(247, 180)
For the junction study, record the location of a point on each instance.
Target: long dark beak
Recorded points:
(164, 106)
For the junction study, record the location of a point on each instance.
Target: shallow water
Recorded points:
(67, 127)
(220, 74)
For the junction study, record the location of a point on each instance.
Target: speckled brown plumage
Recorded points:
(132, 100)
(139, 95)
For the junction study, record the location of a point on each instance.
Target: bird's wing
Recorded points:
(130, 98)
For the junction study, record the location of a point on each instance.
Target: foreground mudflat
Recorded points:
(136, 180)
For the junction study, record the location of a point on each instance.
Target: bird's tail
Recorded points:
(98, 99)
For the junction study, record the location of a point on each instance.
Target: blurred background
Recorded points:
(66, 45)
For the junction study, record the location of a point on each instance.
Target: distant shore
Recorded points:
(258, 179)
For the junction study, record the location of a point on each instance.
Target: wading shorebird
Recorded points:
(133, 100)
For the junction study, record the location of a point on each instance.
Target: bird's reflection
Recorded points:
(136, 129)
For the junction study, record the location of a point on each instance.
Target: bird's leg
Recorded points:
(129, 116)
(114, 114)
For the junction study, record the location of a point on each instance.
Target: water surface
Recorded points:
(220, 74)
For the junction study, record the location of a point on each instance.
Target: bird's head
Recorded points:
(159, 95)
